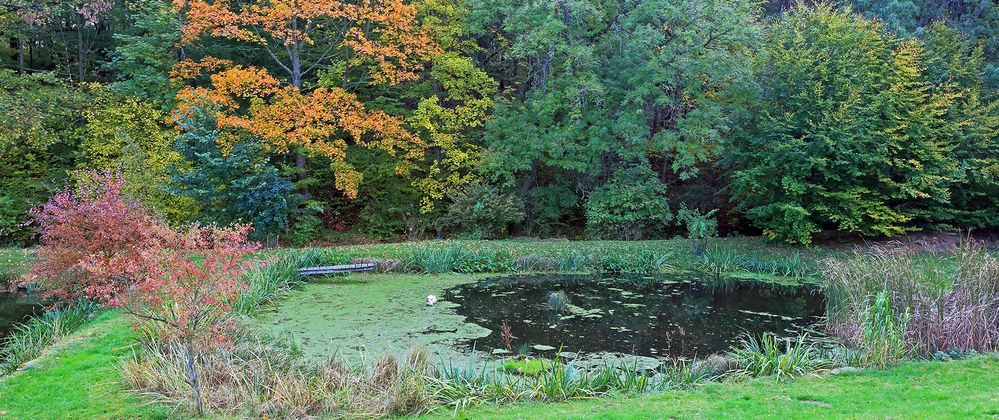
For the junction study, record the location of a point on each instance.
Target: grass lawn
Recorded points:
(13, 263)
(78, 378)
(963, 389)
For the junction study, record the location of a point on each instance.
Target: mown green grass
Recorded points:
(963, 389)
(78, 378)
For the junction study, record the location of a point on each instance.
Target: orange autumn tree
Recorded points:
(371, 42)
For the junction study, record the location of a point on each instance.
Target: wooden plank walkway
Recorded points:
(336, 269)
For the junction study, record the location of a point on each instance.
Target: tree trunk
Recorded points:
(530, 180)
(192, 378)
(20, 55)
(296, 81)
(81, 57)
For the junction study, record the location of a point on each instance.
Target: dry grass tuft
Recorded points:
(952, 300)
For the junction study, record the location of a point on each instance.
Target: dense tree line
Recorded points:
(483, 118)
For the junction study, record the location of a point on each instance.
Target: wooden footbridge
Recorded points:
(335, 269)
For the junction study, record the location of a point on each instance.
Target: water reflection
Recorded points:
(648, 316)
(16, 308)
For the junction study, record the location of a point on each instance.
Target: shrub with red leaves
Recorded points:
(99, 245)
(93, 240)
(188, 289)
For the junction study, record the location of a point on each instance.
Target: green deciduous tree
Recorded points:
(593, 86)
(955, 62)
(978, 19)
(127, 134)
(40, 128)
(846, 133)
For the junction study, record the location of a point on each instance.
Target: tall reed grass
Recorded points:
(276, 276)
(766, 356)
(720, 259)
(940, 302)
(263, 378)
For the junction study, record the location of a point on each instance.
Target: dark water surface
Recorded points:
(16, 308)
(648, 316)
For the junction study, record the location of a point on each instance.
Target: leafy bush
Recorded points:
(699, 227)
(187, 291)
(93, 240)
(480, 211)
(631, 204)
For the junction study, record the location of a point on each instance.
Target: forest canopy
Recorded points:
(323, 120)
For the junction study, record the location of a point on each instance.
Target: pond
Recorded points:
(15, 308)
(645, 316)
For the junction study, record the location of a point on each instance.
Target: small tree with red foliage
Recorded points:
(188, 290)
(93, 240)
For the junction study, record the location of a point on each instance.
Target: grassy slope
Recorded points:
(78, 379)
(962, 389)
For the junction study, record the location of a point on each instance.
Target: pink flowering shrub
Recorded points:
(93, 240)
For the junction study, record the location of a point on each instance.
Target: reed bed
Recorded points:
(264, 378)
(940, 302)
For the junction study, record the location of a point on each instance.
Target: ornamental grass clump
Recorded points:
(773, 356)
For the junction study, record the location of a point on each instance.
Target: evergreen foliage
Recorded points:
(230, 182)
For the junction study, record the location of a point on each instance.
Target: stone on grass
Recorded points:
(845, 369)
